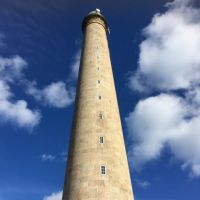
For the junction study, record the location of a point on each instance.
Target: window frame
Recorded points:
(100, 116)
(103, 170)
(101, 140)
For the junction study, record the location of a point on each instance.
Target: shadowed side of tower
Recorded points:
(97, 166)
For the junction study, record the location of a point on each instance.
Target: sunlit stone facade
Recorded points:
(97, 167)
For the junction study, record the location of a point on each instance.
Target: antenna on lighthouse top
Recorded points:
(98, 10)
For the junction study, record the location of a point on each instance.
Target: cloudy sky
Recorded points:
(155, 53)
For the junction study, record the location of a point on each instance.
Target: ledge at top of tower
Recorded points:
(93, 14)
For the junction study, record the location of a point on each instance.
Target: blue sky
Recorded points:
(154, 48)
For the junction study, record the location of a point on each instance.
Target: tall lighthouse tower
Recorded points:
(97, 167)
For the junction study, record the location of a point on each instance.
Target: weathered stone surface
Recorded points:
(84, 180)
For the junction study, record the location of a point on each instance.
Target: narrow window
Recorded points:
(103, 170)
(100, 116)
(101, 140)
(98, 68)
(99, 81)
(99, 97)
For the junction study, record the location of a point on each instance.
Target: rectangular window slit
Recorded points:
(100, 116)
(101, 140)
(103, 170)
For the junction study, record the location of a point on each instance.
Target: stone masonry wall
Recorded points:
(96, 115)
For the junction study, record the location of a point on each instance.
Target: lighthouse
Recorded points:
(97, 166)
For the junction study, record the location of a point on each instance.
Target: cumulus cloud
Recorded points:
(57, 94)
(17, 112)
(165, 120)
(169, 60)
(47, 157)
(170, 54)
(12, 68)
(54, 95)
(54, 196)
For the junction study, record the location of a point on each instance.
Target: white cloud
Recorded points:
(143, 184)
(75, 65)
(170, 54)
(16, 112)
(54, 196)
(150, 125)
(169, 60)
(165, 120)
(12, 68)
(53, 95)
(57, 94)
(47, 157)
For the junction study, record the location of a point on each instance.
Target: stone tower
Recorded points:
(97, 167)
